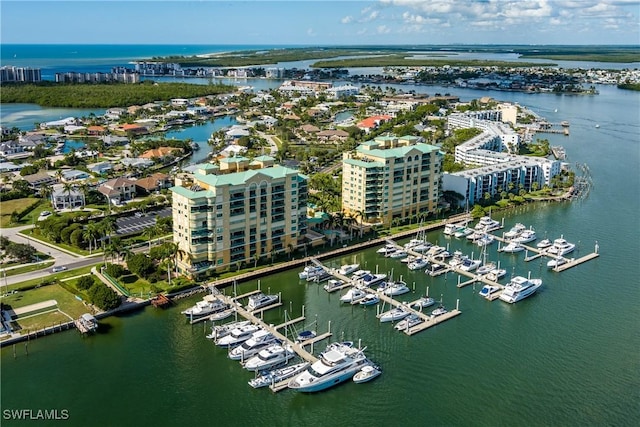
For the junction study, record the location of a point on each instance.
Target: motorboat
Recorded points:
(309, 271)
(320, 277)
(347, 269)
(396, 288)
(367, 373)
(261, 300)
(370, 299)
(277, 375)
(463, 233)
(372, 279)
(439, 311)
(515, 231)
(526, 236)
(452, 229)
(270, 357)
(259, 340)
(485, 240)
(435, 269)
(334, 365)
(424, 302)
(409, 322)
(387, 249)
(457, 259)
(543, 244)
(442, 256)
(397, 254)
(556, 262)
(210, 304)
(333, 285)
(221, 315)
(418, 264)
(397, 313)
(408, 259)
(561, 247)
(435, 250)
(488, 290)
(353, 295)
(422, 247)
(496, 274)
(512, 247)
(360, 274)
(238, 335)
(469, 264)
(476, 235)
(519, 288)
(485, 268)
(317, 274)
(220, 331)
(305, 335)
(413, 243)
(487, 224)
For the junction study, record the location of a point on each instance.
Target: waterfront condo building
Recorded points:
(391, 178)
(237, 212)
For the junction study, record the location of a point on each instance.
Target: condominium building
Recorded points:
(391, 177)
(10, 73)
(237, 212)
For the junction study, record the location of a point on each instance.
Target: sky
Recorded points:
(321, 22)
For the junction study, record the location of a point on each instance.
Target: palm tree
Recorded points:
(169, 253)
(91, 232)
(45, 191)
(67, 187)
(59, 175)
(109, 251)
(182, 254)
(108, 225)
(150, 233)
(289, 249)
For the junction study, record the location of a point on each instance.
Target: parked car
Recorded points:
(58, 269)
(139, 214)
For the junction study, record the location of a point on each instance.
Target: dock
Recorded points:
(574, 262)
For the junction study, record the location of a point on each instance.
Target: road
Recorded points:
(273, 147)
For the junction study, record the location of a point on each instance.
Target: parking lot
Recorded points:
(133, 224)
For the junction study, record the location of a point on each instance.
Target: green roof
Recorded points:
(398, 151)
(234, 159)
(206, 166)
(363, 164)
(190, 193)
(264, 158)
(240, 178)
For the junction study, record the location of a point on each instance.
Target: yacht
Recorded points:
(347, 269)
(367, 373)
(457, 259)
(488, 290)
(561, 247)
(424, 302)
(221, 315)
(519, 288)
(556, 262)
(413, 243)
(451, 229)
(387, 249)
(333, 285)
(220, 331)
(335, 365)
(372, 279)
(543, 244)
(476, 235)
(238, 335)
(485, 268)
(408, 259)
(305, 335)
(487, 224)
(353, 295)
(496, 274)
(320, 277)
(422, 247)
(463, 233)
(278, 375)
(261, 300)
(270, 357)
(209, 305)
(394, 314)
(309, 271)
(469, 264)
(396, 288)
(409, 322)
(442, 256)
(259, 340)
(485, 240)
(439, 311)
(435, 269)
(370, 299)
(418, 264)
(360, 274)
(513, 247)
(397, 254)
(526, 236)
(515, 231)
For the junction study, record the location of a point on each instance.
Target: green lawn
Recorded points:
(28, 268)
(58, 276)
(16, 205)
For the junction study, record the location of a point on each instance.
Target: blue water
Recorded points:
(200, 135)
(72, 144)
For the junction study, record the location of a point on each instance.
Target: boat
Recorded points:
(519, 288)
(387, 249)
(353, 295)
(485, 268)
(418, 264)
(360, 274)
(370, 299)
(261, 300)
(413, 243)
(513, 247)
(409, 322)
(556, 262)
(496, 274)
(320, 277)
(485, 240)
(396, 288)
(515, 231)
(259, 340)
(435, 269)
(305, 335)
(463, 233)
(367, 373)
(487, 224)
(561, 247)
(237, 336)
(335, 365)
(422, 247)
(220, 331)
(469, 264)
(372, 279)
(270, 357)
(457, 259)
(210, 304)
(488, 290)
(526, 236)
(451, 229)
(277, 375)
(310, 271)
(597, 126)
(333, 285)
(439, 311)
(221, 315)
(397, 254)
(475, 235)
(423, 302)
(397, 313)
(347, 269)
(543, 244)
(408, 259)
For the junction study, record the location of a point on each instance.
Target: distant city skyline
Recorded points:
(321, 22)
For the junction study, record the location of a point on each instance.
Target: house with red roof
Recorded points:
(373, 122)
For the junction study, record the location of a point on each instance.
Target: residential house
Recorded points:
(63, 199)
(10, 147)
(38, 180)
(136, 162)
(100, 168)
(160, 152)
(155, 182)
(74, 175)
(132, 129)
(118, 190)
(373, 122)
(332, 135)
(96, 130)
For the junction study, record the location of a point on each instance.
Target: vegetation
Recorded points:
(85, 282)
(13, 210)
(629, 86)
(19, 251)
(103, 297)
(104, 95)
(401, 60)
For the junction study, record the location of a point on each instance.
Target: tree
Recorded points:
(140, 264)
(85, 282)
(91, 233)
(103, 297)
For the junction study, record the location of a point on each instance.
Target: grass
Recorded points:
(16, 205)
(42, 321)
(29, 268)
(56, 276)
(35, 233)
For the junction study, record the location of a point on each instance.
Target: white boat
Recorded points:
(496, 274)
(556, 262)
(485, 240)
(360, 274)
(259, 340)
(387, 249)
(469, 264)
(513, 247)
(526, 236)
(561, 247)
(372, 279)
(519, 288)
(347, 269)
(320, 277)
(396, 288)
(485, 268)
(422, 247)
(335, 365)
(397, 254)
(309, 271)
(333, 285)
(457, 259)
(463, 233)
(488, 290)
(221, 315)
(424, 302)
(238, 335)
(353, 295)
(261, 300)
(435, 269)
(451, 229)
(370, 299)
(475, 235)
(515, 231)
(408, 259)
(209, 305)
(220, 331)
(278, 375)
(543, 244)
(409, 322)
(418, 264)
(305, 335)
(487, 224)
(439, 311)
(397, 313)
(367, 373)
(270, 357)
(413, 243)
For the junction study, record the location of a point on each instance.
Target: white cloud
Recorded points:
(347, 19)
(383, 29)
(310, 32)
(371, 16)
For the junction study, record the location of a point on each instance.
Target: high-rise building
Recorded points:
(391, 177)
(20, 74)
(237, 212)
